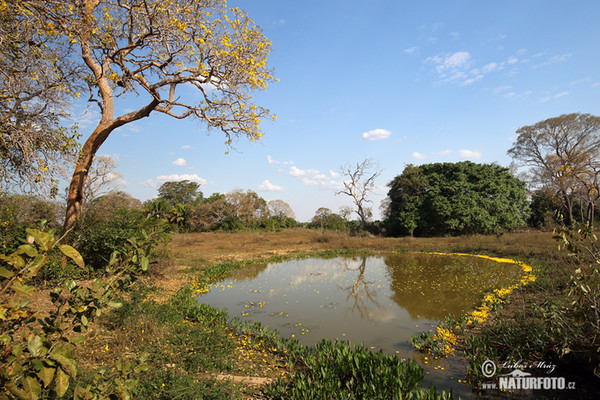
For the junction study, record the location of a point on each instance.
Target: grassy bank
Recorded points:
(195, 352)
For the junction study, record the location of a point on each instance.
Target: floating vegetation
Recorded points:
(443, 342)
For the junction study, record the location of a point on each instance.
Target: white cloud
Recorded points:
(333, 174)
(410, 50)
(148, 182)
(453, 61)
(180, 162)
(186, 147)
(469, 154)
(596, 84)
(444, 152)
(472, 80)
(376, 134)
(557, 59)
(270, 160)
(269, 187)
(553, 97)
(491, 67)
(88, 118)
(173, 178)
(501, 89)
(512, 60)
(516, 96)
(418, 155)
(312, 177)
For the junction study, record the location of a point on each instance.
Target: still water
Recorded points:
(378, 300)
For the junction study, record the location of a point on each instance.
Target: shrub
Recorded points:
(99, 240)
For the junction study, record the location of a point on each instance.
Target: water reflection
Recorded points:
(436, 287)
(362, 293)
(380, 301)
(397, 290)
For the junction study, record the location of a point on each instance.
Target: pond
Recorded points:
(378, 300)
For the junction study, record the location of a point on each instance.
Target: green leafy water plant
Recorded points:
(338, 370)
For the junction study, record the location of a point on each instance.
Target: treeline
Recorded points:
(186, 209)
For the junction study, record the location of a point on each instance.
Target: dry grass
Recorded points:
(201, 249)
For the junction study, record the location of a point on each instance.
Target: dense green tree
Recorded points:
(405, 200)
(543, 209)
(157, 208)
(455, 199)
(180, 192)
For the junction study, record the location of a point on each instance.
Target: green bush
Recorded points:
(18, 212)
(99, 240)
(231, 223)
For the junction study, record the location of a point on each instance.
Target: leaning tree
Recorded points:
(182, 58)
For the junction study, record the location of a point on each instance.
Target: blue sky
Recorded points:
(396, 81)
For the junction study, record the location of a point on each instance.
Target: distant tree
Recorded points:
(103, 208)
(213, 197)
(280, 210)
(103, 179)
(563, 154)
(247, 207)
(359, 182)
(180, 192)
(456, 198)
(543, 209)
(157, 208)
(179, 216)
(324, 218)
(345, 212)
(26, 209)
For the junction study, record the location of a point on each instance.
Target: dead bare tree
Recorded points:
(359, 181)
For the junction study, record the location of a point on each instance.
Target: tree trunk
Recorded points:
(84, 163)
(86, 156)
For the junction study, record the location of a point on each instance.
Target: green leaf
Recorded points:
(76, 339)
(35, 266)
(84, 320)
(36, 346)
(144, 263)
(72, 254)
(46, 375)
(4, 273)
(62, 354)
(45, 240)
(5, 339)
(13, 260)
(22, 289)
(32, 387)
(28, 249)
(62, 382)
(115, 304)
